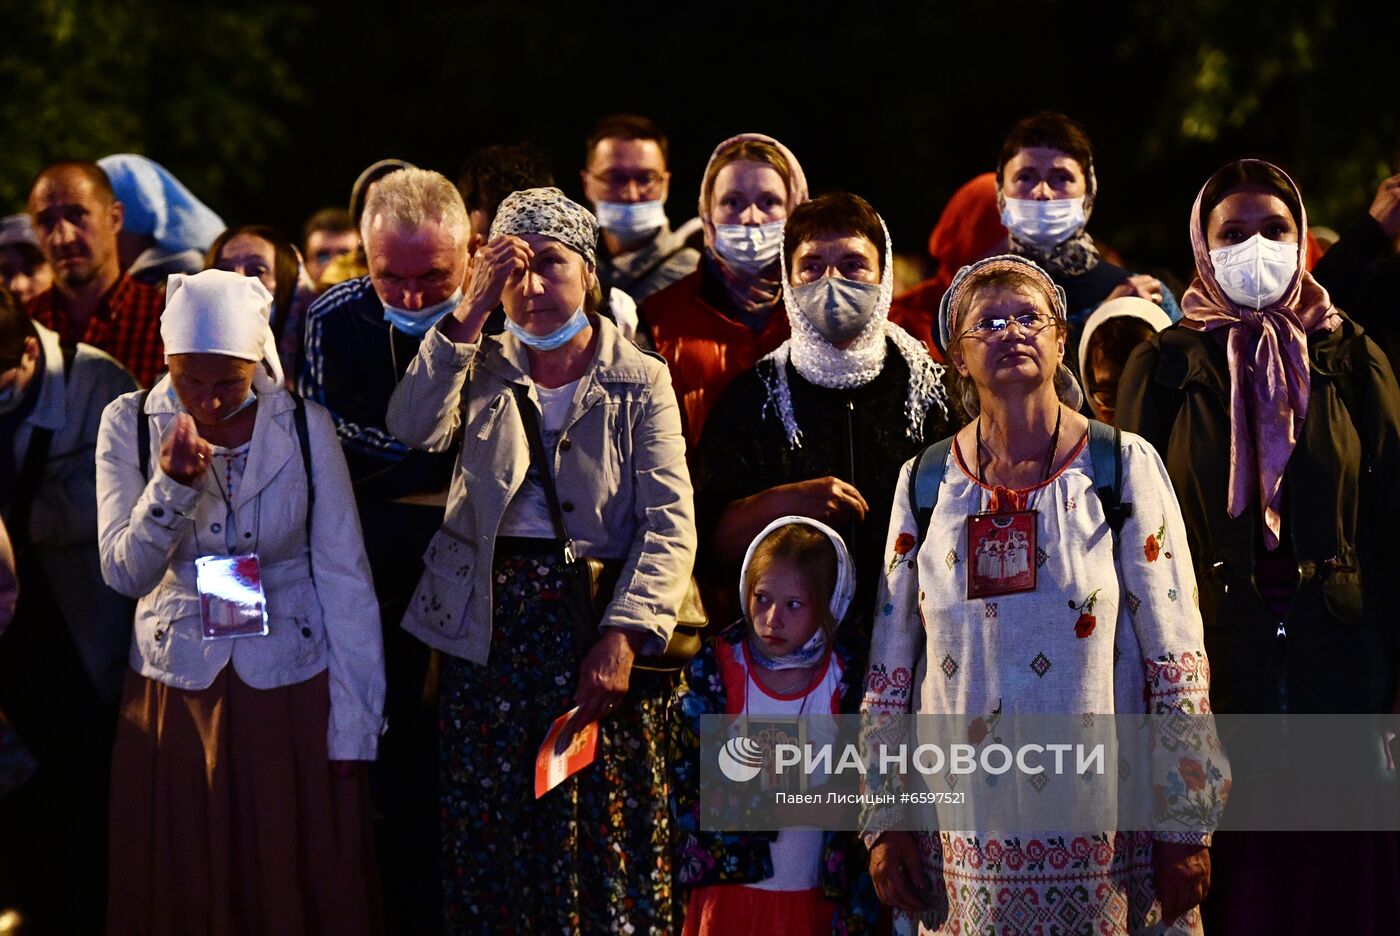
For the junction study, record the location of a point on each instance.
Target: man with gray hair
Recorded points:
(360, 338)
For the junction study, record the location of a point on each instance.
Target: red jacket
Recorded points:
(704, 347)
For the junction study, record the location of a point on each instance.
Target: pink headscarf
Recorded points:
(750, 292)
(1267, 351)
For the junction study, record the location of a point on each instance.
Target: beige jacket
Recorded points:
(322, 611)
(620, 469)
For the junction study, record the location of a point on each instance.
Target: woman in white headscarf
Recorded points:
(820, 426)
(256, 681)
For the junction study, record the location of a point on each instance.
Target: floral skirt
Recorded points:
(593, 855)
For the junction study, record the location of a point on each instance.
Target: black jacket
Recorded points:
(1341, 505)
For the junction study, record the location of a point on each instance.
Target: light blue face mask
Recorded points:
(417, 322)
(555, 339)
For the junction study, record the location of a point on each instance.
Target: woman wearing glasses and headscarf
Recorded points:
(1010, 598)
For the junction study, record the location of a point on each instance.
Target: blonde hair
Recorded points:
(407, 199)
(811, 553)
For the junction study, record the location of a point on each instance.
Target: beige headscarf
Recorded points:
(751, 292)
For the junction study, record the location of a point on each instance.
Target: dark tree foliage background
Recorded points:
(268, 111)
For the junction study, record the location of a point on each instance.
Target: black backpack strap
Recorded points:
(304, 439)
(1106, 459)
(925, 480)
(143, 434)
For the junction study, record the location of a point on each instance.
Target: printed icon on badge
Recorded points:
(741, 759)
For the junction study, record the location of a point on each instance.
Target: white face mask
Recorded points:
(1256, 273)
(1044, 223)
(631, 219)
(749, 247)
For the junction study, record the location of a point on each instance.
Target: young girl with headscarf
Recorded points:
(714, 323)
(257, 678)
(783, 661)
(1289, 529)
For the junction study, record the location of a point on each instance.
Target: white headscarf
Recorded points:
(219, 312)
(1122, 307)
(822, 363)
(842, 593)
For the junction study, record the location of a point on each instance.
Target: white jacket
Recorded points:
(321, 613)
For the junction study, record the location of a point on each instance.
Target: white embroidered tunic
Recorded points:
(1095, 636)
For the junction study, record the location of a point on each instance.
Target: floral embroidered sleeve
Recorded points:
(896, 643)
(1190, 781)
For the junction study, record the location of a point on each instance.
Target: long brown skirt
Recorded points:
(227, 818)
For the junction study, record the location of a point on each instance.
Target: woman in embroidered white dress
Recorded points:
(1091, 636)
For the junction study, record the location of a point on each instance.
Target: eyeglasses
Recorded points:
(615, 181)
(1032, 324)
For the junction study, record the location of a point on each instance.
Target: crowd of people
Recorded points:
(308, 543)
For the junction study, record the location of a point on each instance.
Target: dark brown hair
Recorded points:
(284, 265)
(1248, 172)
(331, 220)
(1050, 129)
(493, 172)
(627, 127)
(838, 214)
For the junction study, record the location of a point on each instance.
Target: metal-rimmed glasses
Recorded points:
(1030, 323)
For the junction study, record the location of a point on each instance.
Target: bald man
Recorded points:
(77, 220)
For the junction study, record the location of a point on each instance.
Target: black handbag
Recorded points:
(591, 583)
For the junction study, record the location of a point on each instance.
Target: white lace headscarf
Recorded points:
(822, 363)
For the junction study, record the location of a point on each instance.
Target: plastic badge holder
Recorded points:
(231, 599)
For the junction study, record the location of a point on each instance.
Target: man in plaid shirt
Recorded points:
(77, 218)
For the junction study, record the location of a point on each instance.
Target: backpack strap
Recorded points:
(143, 434)
(304, 439)
(143, 446)
(930, 465)
(1106, 459)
